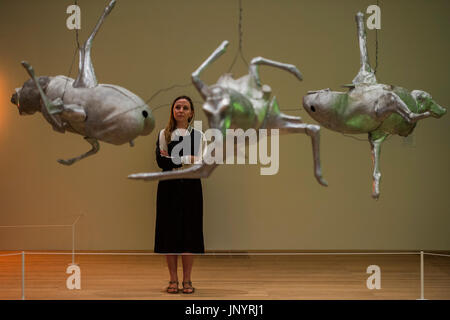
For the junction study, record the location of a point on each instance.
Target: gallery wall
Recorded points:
(146, 46)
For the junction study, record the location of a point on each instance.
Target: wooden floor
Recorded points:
(287, 277)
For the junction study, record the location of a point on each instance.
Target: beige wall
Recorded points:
(148, 45)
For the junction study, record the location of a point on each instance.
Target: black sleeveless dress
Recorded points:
(179, 205)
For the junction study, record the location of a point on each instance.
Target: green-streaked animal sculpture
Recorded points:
(99, 112)
(244, 104)
(370, 107)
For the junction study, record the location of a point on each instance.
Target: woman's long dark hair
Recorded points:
(172, 124)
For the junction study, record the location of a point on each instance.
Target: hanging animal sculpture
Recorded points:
(99, 112)
(242, 103)
(370, 107)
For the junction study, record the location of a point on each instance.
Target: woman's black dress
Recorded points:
(179, 205)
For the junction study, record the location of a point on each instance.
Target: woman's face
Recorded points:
(182, 111)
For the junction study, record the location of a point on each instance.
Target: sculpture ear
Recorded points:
(419, 94)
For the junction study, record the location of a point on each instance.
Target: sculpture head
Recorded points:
(323, 105)
(426, 103)
(217, 108)
(27, 98)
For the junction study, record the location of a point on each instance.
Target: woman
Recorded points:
(179, 204)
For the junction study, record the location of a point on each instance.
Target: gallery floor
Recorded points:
(226, 276)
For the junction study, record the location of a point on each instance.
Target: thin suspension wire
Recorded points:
(376, 45)
(167, 89)
(76, 30)
(69, 73)
(241, 35)
(185, 85)
(153, 96)
(77, 49)
(239, 53)
(168, 104)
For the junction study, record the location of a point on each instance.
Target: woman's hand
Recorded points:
(164, 153)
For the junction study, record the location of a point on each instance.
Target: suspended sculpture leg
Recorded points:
(365, 74)
(196, 171)
(291, 124)
(95, 148)
(375, 144)
(198, 83)
(86, 74)
(263, 61)
(391, 103)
